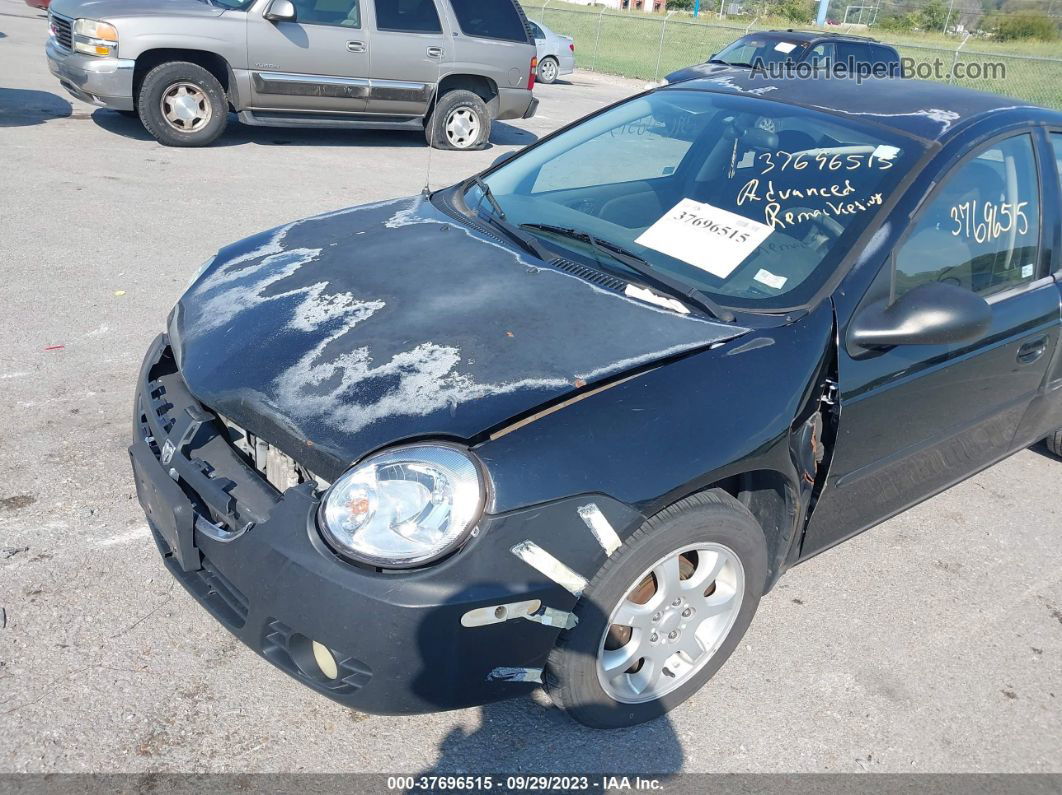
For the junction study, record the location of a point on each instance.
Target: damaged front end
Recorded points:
(311, 351)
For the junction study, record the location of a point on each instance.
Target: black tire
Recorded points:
(571, 677)
(1054, 442)
(457, 102)
(169, 76)
(548, 75)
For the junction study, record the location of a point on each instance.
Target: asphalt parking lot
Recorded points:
(932, 643)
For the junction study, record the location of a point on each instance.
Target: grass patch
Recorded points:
(638, 45)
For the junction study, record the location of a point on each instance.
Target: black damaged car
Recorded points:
(566, 422)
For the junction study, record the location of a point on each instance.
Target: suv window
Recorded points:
(407, 16)
(982, 230)
(346, 13)
(493, 19)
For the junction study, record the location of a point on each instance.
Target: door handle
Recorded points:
(435, 52)
(356, 46)
(1029, 352)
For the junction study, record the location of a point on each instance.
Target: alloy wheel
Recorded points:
(462, 127)
(186, 107)
(670, 622)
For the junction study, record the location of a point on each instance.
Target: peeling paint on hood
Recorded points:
(340, 334)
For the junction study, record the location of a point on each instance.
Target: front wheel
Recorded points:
(182, 104)
(662, 615)
(460, 120)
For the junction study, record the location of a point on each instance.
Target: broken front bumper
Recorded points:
(253, 557)
(107, 82)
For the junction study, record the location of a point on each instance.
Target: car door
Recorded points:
(411, 49)
(915, 419)
(317, 63)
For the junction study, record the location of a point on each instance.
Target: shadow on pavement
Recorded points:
(1041, 448)
(237, 134)
(502, 134)
(25, 108)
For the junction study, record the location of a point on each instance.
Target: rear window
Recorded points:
(490, 19)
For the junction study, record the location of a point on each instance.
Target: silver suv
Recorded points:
(447, 67)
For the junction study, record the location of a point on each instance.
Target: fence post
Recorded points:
(597, 39)
(955, 58)
(660, 47)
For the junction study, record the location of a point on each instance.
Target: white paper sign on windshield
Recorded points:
(785, 46)
(710, 238)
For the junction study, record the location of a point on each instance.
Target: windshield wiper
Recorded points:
(497, 220)
(640, 266)
(488, 194)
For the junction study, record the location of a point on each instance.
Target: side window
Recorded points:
(345, 13)
(1056, 142)
(407, 16)
(496, 19)
(536, 31)
(982, 229)
(820, 54)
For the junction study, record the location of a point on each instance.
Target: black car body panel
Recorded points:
(340, 335)
(487, 333)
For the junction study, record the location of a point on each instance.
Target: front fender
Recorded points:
(649, 441)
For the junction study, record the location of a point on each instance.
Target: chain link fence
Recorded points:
(649, 46)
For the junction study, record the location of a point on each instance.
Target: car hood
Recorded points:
(701, 70)
(337, 335)
(119, 9)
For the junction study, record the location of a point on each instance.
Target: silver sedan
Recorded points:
(556, 53)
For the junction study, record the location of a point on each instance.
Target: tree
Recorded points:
(1025, 25)
(932, 15)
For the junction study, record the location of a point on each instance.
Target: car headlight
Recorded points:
(404, 507)
(93, 37)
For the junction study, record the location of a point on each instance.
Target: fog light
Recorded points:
(325, 661)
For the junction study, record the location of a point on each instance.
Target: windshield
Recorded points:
(748, 49)
(233, 5)
(749, 201)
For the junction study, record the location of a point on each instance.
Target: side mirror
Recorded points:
(503, 158)
(931, 314)
(280, 11)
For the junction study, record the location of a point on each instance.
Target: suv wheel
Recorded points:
(662, 615)
(460, 120)
(182, 104)
(1054, 442)
(548, 71)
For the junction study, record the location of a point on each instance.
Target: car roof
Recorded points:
(927, 110)
(791, 34)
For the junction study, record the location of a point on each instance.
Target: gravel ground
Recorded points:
(932, 643)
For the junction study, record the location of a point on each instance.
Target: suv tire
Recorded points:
(182, 104)
(1054, 442)
(715, 606)
(548, 70)
(459, 121)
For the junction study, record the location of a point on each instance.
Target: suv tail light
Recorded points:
(534, 71)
